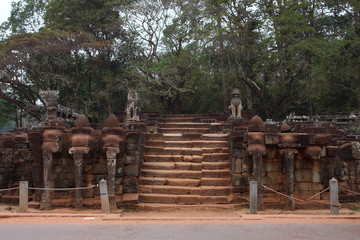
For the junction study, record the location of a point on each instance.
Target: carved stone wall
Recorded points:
(319, 154)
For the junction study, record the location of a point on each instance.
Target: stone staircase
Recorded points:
(185, 164)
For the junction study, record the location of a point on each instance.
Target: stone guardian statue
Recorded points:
(235, 107)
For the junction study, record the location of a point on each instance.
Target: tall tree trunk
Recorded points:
(222, 59)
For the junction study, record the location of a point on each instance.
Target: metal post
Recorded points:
(334, 197)
(23, 197)
(105, 206)
(253, 197)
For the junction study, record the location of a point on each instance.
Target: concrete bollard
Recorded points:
(23, 197)
(334, 197)
(104, 197)
(253, 197)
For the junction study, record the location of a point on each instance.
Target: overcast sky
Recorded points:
(5, 8)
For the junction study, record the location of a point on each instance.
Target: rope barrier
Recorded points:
(301, 200)
(318, 193)
(8, 189)
(356, 193)
(282, 194)
(62, 189)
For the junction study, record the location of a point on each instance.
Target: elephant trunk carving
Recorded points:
(52, 136)
(80, 138)
(112, 140)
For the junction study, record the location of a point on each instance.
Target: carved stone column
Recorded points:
(52, 142)
(257, 149)
(80, 137)
(289, 169)
(289, 142)
(111, 168)
(356, 155)
(112, 138)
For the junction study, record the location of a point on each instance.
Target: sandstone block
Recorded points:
(132, 170)
(88, 193)
(303, 175)
(275, 177)
(237, 165)
(119, 189)
(130, 181)
(99, 169)
(304, 139)
(303, 164)
(272, 138)
(132, 159)
(239, 180)
(130, 189)
(270, 166)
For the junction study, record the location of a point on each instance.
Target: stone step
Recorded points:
(215, 181)
(151, 150)
(182, 199)
(188, 143)
(180, 115)
(183, 125)
(186, 165)
(186, 190)
(188, 136)
(173, 158)
(169, 181)
(185, 182)
(178, 119)
(215, 136)
(172, 173)
(173, 165)
(183, 130)
(215, 157)
(215, 165)
(223, 173)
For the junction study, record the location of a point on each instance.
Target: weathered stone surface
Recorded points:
(132, 170)
(320, 139)
(237, 165)
(239, 180)
(272, 138)
(131, 181)
(304, 139)
(302, 175)
(303, 163)
(256, 138)
(270, 166)
(99, 169)
(130, 189)
(275, 177)
(132, 159)
(314, 152)
(288, 138)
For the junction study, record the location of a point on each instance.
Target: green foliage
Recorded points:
(184, 56)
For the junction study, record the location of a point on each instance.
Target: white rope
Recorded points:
(8, 189)
(318, 194)
(349, 191)
(282, 194)
(62, 189)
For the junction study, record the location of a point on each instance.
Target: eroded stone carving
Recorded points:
(112, 139)
(80, 138)
(52, 142)
(51, 101)
(256, 148)
(235, 104)
(356, 155)
(132, 108)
